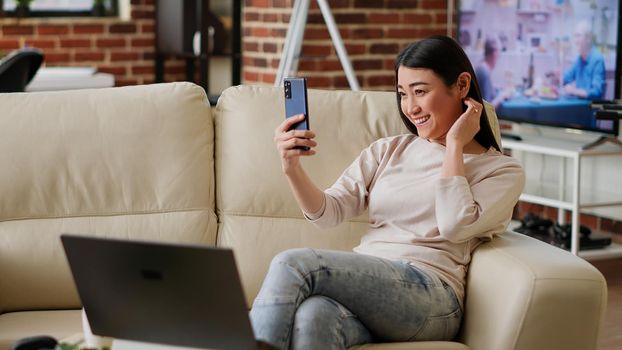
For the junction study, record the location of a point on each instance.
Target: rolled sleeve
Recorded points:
(313, 217)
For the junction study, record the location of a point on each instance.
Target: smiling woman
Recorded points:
(432, 196)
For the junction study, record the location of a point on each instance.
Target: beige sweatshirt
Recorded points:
(417, 216)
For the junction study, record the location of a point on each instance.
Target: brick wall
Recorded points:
(373, 32)
(122, 48)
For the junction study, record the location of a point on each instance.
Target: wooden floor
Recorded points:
(611, 333)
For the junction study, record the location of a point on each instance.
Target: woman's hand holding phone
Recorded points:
(287, 139)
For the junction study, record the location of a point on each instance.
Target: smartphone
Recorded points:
(295, 90)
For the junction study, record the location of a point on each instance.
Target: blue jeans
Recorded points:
(322, 299)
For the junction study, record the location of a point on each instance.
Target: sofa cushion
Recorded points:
(133, 162)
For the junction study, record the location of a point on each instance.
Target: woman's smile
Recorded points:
(420, 121)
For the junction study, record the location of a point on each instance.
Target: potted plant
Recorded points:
(22, 8)
(99, 8)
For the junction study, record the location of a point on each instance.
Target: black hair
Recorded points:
(444, 56)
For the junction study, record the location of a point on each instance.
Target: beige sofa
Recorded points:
(157, 163)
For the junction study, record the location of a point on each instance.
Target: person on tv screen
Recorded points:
(586, 77)
(483, 72)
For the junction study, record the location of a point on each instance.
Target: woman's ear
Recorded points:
(464, 84)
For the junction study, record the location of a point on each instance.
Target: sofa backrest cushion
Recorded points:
(132, 162)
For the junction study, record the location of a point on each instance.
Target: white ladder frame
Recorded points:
(293, 42)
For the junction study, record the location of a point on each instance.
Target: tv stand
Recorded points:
(564, 196)
(601, 141)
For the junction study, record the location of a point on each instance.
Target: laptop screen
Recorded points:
(164, 293)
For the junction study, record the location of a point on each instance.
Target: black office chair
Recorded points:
(18, 68)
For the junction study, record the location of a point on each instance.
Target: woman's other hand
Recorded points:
(467, 125)
(287, 140)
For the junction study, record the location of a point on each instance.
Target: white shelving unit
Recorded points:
(570, 197)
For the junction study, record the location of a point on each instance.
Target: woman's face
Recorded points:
(428, 103)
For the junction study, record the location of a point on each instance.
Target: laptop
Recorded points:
(181, 295)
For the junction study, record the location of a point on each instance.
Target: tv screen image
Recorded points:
(545, 61)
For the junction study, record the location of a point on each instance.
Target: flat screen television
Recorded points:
(545, 61)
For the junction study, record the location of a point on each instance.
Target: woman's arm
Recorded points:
(309, 197)
(464, 210)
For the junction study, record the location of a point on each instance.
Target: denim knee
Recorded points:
(302, 259)
(322, 323)
(318, 320)
(316, 309)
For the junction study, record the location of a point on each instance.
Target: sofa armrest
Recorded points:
(525, 294)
